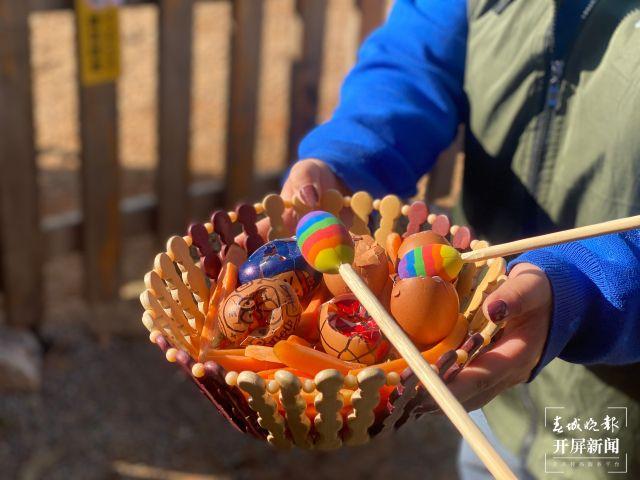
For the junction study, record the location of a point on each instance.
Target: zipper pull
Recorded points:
(557, 70)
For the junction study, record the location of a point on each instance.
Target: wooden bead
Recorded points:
(231, 379)
(431, 218)
(454, 229)
(376, 204)
(393, 379)
(462, 356)
(153, 336)
(308, 386)
(273, 387)
(350, 381)
(233, 217)
(197, 370)
(346, 202)
(171, 355)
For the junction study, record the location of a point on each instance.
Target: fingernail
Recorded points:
(309, 195)
(497, 310)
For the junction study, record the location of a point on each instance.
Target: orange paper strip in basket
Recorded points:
(226, 284)
(310, 360)
(308, 325)
(216, 353)
(260, 352)
(298, 340)
(450, 342)
(392, 246)
(237, 363)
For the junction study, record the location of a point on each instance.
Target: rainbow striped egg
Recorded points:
(443, 261)
(324, 241)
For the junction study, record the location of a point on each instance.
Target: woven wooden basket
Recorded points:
(349, 410)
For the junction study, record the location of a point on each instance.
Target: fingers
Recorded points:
(527, 290)
(524, 302)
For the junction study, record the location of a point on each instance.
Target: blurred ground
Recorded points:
(116, 409)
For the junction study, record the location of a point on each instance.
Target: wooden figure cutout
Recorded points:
(417, 215)
(192, 276)
(261, 402)
(461, 238)
(223, 226)
(328, 403)
(247, 217)
(295, 407)
(201, 238)
(364, 400)
(332, 201)
(274, 209)
(300, 207)
(166, 269)
(441, 225)
(361, 206)
(390, 210)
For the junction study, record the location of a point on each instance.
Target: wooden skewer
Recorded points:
(580, 233)
(432, 382)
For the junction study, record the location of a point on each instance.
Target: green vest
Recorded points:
(533, 167)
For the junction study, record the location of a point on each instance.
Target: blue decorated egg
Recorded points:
(283, 260)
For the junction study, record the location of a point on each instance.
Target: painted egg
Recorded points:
(261, 312)
(420, 239)
(425, 307)
(370, 263)
(281, 259)
(348, 332)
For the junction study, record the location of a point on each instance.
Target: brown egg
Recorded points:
(348, 332)
(420, 239)
(425, 307)
(261, 312)
(370, 263)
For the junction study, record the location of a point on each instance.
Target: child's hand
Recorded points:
(524, 301)
(307, 180)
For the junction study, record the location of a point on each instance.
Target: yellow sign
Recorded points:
(98, 40)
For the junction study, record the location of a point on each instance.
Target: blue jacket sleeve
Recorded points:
(401, 103)
(596, 290)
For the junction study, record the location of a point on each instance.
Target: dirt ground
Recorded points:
(116, 409)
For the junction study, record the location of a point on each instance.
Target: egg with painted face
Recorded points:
(348, 332)
(281, 259)
(261, 312)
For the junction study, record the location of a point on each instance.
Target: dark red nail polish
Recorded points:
(309, 195)
(497, 311)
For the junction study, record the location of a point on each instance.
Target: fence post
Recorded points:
(174, 120)
(20, 237)
(306, 73)
(243, 99)
(101, 227)
(372, 14)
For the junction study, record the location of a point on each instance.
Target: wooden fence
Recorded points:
(26, 240)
